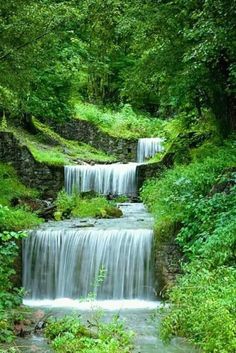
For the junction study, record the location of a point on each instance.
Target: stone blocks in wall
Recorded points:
(83, 131)
(48, 179)
(152, 170)
(167, 260)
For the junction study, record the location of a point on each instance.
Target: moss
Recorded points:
(11, 187)
(109, 212)
(78, 205)
(13, 219)
(50, 148)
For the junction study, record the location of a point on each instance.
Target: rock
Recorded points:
(109, 212)
(85, 225)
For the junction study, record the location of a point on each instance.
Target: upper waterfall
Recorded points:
(148, 147)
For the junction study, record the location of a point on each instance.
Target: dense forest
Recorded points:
(132, 69)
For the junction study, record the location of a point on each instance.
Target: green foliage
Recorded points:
(195, 205)
(10, 297)
(124, 123)
(69, 335)
(35, 35)
(212, 235)
(17, 219)
(170, 197)
(203, 309)
(11, 187)
(50, 148)
(76, 205)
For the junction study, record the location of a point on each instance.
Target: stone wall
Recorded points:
(83, 131)
(151, 170)
(167, 258)
(48, 179)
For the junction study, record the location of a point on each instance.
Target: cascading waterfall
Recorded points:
(148, 147)
(117, 179)
(64, 263)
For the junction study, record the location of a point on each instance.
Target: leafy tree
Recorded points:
(38, 54)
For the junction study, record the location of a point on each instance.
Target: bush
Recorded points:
(10, 297)
(203, 309)
(77, 205)
(69, 335)
(170, 197)
(17, 219)
(195, 205)
(124, 123)
(11, 187)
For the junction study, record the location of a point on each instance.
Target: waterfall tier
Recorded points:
(66, 262)
(148, 147)
(116, 179)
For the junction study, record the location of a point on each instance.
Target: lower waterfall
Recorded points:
(66, 263)
(64, 260)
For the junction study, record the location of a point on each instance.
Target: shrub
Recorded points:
(77, 205)
(203, 309)
(17, 219)
(11, 187)
(10, 297)
(195, 205)
(124, 123)
(171, 196)
(69, 335)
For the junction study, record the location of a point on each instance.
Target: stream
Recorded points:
(53, 285)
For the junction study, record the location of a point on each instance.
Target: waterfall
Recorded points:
(117, 179)
(148, 147)
(66, 262)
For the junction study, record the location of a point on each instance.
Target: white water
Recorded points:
(89, 305)
(117, 179)
(148, 147)
(64, 263)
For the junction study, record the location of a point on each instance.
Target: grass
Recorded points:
(194, 206)
(10, 188)
(124, 123)
(49, 147)
(89, 205)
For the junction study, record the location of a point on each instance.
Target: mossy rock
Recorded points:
(109, 212)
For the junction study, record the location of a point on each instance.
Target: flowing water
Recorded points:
(115, 179)
(63, 260)
(54, 254)
(148, 147)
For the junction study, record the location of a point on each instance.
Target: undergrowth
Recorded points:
(89, 205)
(14, 218)
(10, 297)
(124, 123)
(69, 335)
(195, 205)
(11, 187)
(49, 147)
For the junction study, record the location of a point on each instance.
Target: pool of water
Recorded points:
(137, 315)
